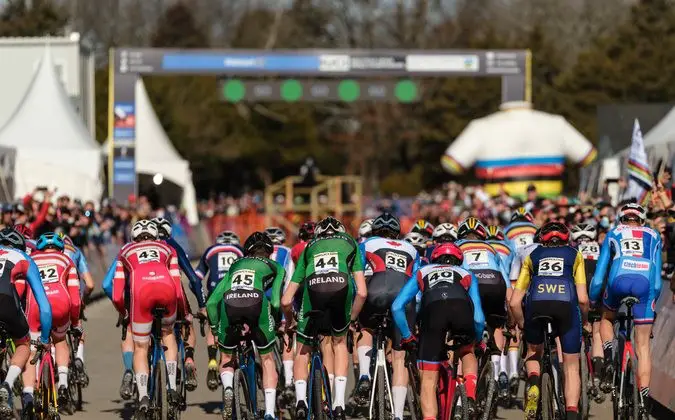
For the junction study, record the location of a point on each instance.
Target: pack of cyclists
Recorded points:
(443, 287)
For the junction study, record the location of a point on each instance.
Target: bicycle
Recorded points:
(319, 397)
(7, 349)
(76, 380)
(381, 388)
(46, 406)
(552, 398)
(247, 379)
(453, 402)
(414, 387)
(486, 388)
(182, 333)
(626, 398)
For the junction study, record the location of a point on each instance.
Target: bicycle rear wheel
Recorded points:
(548, 409)
(45, 407)
(318, 412)
(638, 409)
(485, 392)
(460, 404)
(584, 402)
(242, 407)
(413, 395)
(160, 397)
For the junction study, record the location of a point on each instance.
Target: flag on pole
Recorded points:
(639, 176)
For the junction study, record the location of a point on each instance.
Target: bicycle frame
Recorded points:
(448, 378)
(380, 341)
(315, 361)
(49, 361)
(551, 365)
(180, 342)
(625, 351)
(157, 353)
(247, 364)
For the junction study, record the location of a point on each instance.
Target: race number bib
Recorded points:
(395, 261)
(632, 247)
(49, 274)
(551, 267)
(243, 279)
(590, 252)
(476, 257)
(523, 240)
(147, 255)
(3, 264)
(326, 262)
(225, 260)
(441, 276)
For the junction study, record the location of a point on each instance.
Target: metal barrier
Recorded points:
(662, 385)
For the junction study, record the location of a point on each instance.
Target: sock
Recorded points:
(533, 379)
(331, 382)
(572, 413)
(503, 365)
(171, 370)
(571, 409)
(496, 360)
(28, 390)
(364, 361)
(597, 366)
(189, 353)
(142, 385)
(513, 357)
(63, 376)
(288, 372)
(212, 351)
(470, 385)
(80, 351)
(128, 359)
(12, 373)
(644, 391)
(301, 391)
(398, 395)
(270, 401)
(227, 379)
(607, 348)
(340, 390)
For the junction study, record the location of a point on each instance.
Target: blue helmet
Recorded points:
(50, 239)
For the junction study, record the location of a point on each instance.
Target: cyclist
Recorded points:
(305, 234)
(393, 261)
(328, 271)
(164, 229)
(365, 230)
(450, 306)
(443, 233)
(62, 285)
(241, 298)
(496, 238)
(422, 227)
(17, 268)
(584, 235)
(27, 233)
(554, 279)
(420, 243)
(520, 232)
(484, 262)
(150, 267)
(216, 262)
(635, 270)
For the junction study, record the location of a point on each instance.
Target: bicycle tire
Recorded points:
(546, 398)
(317, 394)
(459, 410)
(381, 396)
(584, 401)
(241, 402)
(413, 396)
(485, 390)
(637, 412)
(160, 399)
(47, 393)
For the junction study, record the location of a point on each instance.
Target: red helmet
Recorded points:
(447, 249)
(306, 231)
(24, 230)
(554, 230)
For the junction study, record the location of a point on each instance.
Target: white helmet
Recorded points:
(366, 228)
(276, 234)
(163, 227)
(227, 237)
(416, 239)
(143, 230)
(587, 230)
(445, 229)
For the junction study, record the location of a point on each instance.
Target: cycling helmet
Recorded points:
(632, 211)
(495, 232)
(144, 230)
(447, 253)
(329, 226)
(366, 228)
(163, 227)
(423, 227)
(522, 215)
(24, 230)
(471, 225)
(50, 240)
(227, 237)
(12, 238)
(306, 231)
(445, 232)
(386, 223)
(416, 239)
(584, 230)
(554, 232)
(256, 241)
(276, 234)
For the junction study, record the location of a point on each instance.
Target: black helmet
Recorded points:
(10, 237)
(258, 240)
(386, 222)
(329, 225)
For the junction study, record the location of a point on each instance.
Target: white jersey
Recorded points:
(518, 259)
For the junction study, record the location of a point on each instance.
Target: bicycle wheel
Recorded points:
(47, 397)
(160, 397)
(460, 404)
(584, 402)
(413, 395)
(241, 398)
(485, 392)
(639, 412)
(546, 397)
(318, 412)
(75, 389)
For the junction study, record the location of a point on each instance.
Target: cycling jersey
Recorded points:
(62, 287)
(148, 272)
(240, 298)
(75, 254)
(635, 254)
(549, 276)
(297, 249)
(393, 262)
(31, 245)
(15, 269)
(216, 261)
(186, 267)
(591, 252)
(324, 272)
(520, 234)
(505, 252)
(282, 255)
(519, 258)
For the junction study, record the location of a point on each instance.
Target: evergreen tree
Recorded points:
(44, 18)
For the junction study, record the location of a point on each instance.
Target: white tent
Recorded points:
(53, 146)
(155, 153)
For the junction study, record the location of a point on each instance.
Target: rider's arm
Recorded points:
(277, 286)
(184, 263)
(501, 263)
(83, 270)
(405, 296)
(516, 264)
(202, 267)
(174, 271)
(73, 282)
(580, 284)
(296, 280)
(523, 283)
(657, 281)
(360, 280)
(600, 270)
(108, 279)
(35, 283)
(478, 315)
(118, 287)
(213, 304)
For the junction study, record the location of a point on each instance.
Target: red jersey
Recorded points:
(60, 280)
(296, 251)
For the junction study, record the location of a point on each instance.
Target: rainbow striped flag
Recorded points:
(639, 175)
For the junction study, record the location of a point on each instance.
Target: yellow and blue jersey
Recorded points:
(552, 273)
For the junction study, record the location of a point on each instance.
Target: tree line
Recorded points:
(586, 53)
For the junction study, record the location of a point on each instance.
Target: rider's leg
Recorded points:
(644, 366)
(514, 351)
(170, 354)
(607, 337)
(399, 387)
(533, 384)
(62, 359)
(270, 379)
(140, 366)
(226, 370)
(429, 386)
(18, 362)
(572, 381)
(364, 347)
(497, 358)
(301, 372)
(287, 357)
(127, 346)
(596, 350)
(341, 365)
(30, 371)
(328, 357)
(469, 370)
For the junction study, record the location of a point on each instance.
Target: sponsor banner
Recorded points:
(635, 265)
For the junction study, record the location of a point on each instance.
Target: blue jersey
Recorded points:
(483, 261)
(505, 252)
(633, 257)
(216, 261)
(80, 263)
(186, 267)
(520, 234)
